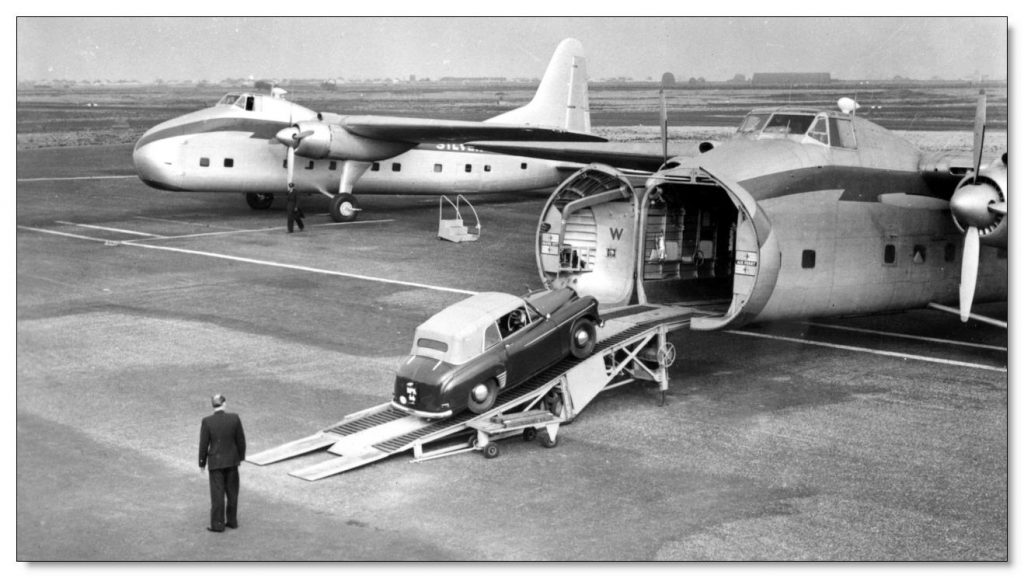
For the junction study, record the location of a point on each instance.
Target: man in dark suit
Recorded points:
(222, 447)
(295, 213)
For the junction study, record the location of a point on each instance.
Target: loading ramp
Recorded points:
(631, 346)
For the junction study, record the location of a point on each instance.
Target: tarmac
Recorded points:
(857, 439)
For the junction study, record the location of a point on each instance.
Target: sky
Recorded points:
(715, 48)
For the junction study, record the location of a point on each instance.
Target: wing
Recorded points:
(645, 157)
(415, 130)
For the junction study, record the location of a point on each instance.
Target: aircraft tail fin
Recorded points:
(562, 99)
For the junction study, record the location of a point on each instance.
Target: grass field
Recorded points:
(83, 116)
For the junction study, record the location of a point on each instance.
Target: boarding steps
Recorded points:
(632, 345)
(455, 230)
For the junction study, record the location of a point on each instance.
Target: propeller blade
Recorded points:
(979, 133)
(998, 208)
(969, 272)
(664, 127)
(291, 168)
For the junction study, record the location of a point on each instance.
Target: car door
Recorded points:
(532, 348)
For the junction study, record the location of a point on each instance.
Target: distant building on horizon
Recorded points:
(791, 78)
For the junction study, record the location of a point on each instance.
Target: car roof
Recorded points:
(467, 315)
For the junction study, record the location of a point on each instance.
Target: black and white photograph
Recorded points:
(512, 289)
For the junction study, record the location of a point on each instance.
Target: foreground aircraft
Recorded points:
(804, 213)
(260, 145)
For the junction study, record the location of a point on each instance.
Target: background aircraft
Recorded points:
(261, 144)
(804, 213)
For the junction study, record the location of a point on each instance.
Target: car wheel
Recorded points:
(482, 396)
(582, 338)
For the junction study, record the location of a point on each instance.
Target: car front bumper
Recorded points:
(422, 414)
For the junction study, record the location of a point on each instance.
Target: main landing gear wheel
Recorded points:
(259, 201)
(582, 339)
(482, 397)
(344, 208)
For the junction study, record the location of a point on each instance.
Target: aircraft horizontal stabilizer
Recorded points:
(414, 130)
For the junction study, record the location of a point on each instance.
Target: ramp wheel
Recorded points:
(491, 450)
(546, 441)
(529, 434)
(259, 201)
(344, 208)
(582, 339)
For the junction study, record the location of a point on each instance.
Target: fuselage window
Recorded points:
(889, 258)
(487, 168)
(309, 166)
(523, 166)
(438, 167)
(333, 166)
(250, 102)
(375, 167)
(807, 259)
(469, 168)
(204, 161)
(920, 254)
(228, 163)
(396, 167)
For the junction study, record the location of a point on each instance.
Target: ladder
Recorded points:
(455, 230)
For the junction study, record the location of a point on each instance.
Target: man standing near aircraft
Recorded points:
(295, 213)
(222, 446)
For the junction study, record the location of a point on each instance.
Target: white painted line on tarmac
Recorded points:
(872, 351)
(180, 222)
(38, 179)
(141, 245)
(264, 229)
(63, 234)
(111, 229)
(909, 336)
(299, 268)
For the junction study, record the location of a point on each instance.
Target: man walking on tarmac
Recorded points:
(295, 213)
(222, 447)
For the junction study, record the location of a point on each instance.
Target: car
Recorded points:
(471, 351)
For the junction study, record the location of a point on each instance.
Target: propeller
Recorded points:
(664, 127)
(977, 206)
(291, 137)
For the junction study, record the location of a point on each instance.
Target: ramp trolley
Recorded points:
(455, 229)
(535, 423)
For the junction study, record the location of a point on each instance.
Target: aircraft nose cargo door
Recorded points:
(585, 238)
(681, 237)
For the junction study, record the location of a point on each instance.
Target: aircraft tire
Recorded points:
(259, 201)
(582, 338)
(344, 208)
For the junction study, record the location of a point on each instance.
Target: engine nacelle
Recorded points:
(324, 140)
(973, 204)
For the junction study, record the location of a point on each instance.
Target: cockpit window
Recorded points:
(753, 123)
(819, 131)
(789, 124)
(243, 101)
